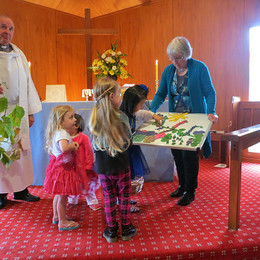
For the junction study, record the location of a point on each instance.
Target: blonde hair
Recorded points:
(55, 120)
(109, 132)
(179, 46)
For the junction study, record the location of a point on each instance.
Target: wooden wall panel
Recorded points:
(217, 35)
(103, 42)
(35, 36)
(71, 57)
(144, 34)
(55, 59)
(218, 32)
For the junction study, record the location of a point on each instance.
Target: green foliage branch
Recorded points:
(9, 130)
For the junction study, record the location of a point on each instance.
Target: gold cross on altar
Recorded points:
(88, 31)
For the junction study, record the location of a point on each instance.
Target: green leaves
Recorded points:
(9, 129)
(114, 46)
(6, 127)
(16, 116)
(3, 104)
(5, 159)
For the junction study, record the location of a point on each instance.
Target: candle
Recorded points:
(29, 65)
(156, 70)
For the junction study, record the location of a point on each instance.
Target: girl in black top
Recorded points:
(111, 137)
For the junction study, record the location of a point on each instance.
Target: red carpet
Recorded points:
(165, 230)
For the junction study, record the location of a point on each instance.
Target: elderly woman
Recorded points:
(189, 88)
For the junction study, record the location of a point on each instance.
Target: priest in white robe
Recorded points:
(17, 86)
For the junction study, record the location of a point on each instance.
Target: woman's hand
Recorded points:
(158, 118)
(213, 118)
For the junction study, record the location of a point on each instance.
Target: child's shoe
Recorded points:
(91, 199)
(134, 209)
(95, 207)
(110, 234)
(137, 184)
(133, 202)
(128, 231)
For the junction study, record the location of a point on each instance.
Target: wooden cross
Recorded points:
(88, 31)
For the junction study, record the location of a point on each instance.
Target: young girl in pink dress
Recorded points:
(62, 178)
(84, 162)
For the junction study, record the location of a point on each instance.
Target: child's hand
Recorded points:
(158, 118)
(76, 146)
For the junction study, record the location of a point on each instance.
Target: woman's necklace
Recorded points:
(182, 71)
(180, 82)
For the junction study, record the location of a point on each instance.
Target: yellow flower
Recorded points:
(108, 52)
(110, 62)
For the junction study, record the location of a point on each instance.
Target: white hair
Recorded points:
(179, 46)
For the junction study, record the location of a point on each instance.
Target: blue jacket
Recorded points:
(202, 92)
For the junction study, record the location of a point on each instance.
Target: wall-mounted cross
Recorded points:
(88, 32)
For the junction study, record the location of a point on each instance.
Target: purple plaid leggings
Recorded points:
(114, 186)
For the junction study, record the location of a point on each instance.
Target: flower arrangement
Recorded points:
(10, 147)
(110, 63)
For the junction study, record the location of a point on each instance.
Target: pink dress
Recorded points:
(84, 164)
(62, 176)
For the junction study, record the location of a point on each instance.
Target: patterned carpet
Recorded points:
(165, 230)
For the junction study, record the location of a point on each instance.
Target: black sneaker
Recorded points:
(128, 231)
(110, 234)
(3, 200)
(27, 197)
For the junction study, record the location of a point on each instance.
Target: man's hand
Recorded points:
(31, 120)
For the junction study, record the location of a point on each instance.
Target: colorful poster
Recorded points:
(178, 130)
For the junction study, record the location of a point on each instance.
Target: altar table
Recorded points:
(160, 160)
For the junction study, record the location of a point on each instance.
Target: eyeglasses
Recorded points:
(177, 59)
